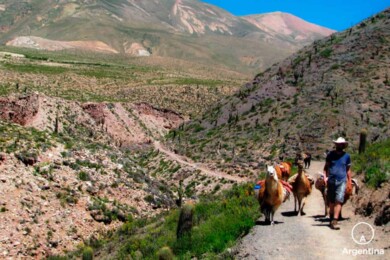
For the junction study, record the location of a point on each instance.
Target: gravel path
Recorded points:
(203, 168)
(304, 237)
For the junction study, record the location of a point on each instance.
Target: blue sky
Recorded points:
(334, 14)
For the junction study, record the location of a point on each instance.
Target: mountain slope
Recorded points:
(288, 26)
(185, 29)
(70, 172)
(334, 87)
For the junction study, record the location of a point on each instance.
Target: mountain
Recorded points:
(288, 26)
(185, 29)
(337, 86)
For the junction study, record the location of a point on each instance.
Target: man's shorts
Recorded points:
(336, 190)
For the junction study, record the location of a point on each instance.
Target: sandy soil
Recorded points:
(309, 236)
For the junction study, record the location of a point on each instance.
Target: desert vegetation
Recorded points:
(374, 164)
(217, 221)
(84, 77)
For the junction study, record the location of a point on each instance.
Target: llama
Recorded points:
(301, 188)
(272, 194)
(320, 185)
(307, 160)
(283, 170)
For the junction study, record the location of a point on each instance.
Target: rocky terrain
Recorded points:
(185, 29)
(88, 143)
(70, 171)
(185, 87)
(335, 87)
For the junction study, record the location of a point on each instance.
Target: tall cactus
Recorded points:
(362, 141)
(185, 220)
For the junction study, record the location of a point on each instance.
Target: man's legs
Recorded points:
(331, 211)
(339, 191)
(337, 209)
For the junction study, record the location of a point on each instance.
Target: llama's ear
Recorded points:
(275, 164)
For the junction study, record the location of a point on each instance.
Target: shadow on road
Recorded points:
(289, 213)
(322, 218)
(264, 223)
(321, 225)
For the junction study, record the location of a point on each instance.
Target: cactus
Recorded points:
(362, 141)
(56, 125)
(185, 220)
(87, 253)
(180, 193)
(165, 253)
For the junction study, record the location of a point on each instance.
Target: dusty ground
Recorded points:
(309, 237)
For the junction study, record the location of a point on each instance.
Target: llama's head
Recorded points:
(300, 164)
(271, 173)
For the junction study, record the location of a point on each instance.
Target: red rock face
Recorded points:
(96, 111)
(19, 110)
(166, 118)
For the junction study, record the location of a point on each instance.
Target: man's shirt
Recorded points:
(338, 164)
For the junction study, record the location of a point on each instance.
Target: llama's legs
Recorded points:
(299, 205)
(326, 209)
(303, 205)
(267, 216)
(295, 203)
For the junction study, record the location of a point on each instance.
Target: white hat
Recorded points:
(340, 140)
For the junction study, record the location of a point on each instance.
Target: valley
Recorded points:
(119, 117)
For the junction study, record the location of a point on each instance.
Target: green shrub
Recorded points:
(220, 221)
(217, 222)
(84, 176)
(374, 163)
(326, 53)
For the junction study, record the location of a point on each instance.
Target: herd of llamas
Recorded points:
(279, 184)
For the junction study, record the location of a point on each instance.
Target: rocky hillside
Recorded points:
(185, 29)
(71, 171)
(335, 87)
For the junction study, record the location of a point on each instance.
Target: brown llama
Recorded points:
(301, 188)
(272, 194)
(283, 170)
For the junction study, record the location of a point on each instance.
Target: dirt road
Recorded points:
(204, 170)
(306, 237)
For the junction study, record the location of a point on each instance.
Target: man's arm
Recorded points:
(326, 169)
(349, 172)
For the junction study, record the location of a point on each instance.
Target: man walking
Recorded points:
(337, 167)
